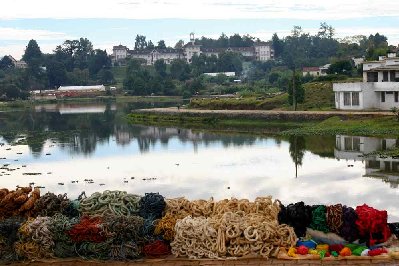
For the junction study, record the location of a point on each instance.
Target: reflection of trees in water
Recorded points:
(81, 133)
(297, 150)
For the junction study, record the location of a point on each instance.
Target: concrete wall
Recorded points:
(369, 95)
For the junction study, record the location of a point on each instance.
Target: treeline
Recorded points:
(303, 49)
(179, 78)
(75, 62)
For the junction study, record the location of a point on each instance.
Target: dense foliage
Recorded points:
(77, 62)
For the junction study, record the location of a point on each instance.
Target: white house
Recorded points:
(379, 89)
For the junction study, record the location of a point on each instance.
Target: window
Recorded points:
(384, 144)
(356, 144)
(385, 76)
(348, 143)
(383, 96)
(396, 96)
(355, 98)
(347, 98)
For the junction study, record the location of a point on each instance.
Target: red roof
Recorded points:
(311, 69)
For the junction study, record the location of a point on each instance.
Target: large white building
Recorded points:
(261, 51)
(379, 89)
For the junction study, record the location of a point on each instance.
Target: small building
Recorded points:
(311, 71)
(18, 64)
(93, 88)
(215, 74)
(379, 89)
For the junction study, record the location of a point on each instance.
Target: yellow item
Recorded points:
(292, 252)
(313, 252)
(322, 247)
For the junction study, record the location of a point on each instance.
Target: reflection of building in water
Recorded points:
(148, 136)
(359, 149)
(74, 108)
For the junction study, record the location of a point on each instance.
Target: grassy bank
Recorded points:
(318, 96)
(21, 104)
(335, 125)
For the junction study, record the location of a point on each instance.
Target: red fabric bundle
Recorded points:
(156, 248)
(302, 250)
(377, 251)
(88, 229)
(372, 224)
(336, 247)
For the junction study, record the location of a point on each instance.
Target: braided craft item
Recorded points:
(120, 226)
(234, 228)
(110, 202)
(19, 202)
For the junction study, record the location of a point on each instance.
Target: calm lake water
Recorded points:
(70, 148)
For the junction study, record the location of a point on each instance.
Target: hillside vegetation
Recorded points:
(318, 96)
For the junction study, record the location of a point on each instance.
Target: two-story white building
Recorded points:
(261, 51)
(379, 89)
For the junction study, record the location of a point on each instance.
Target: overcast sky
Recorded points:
(110, 22)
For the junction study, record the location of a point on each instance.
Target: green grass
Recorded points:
(354, 126)
(119, 75)
(318, 96)
(384, 126)
(244, 103)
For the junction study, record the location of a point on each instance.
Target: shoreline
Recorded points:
(277, 122)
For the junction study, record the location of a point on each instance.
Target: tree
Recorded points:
(229, 61)
(179, 44)
(296, 92)
(161, 45)
(150, 45)
(32, 52)
(278, 45)
(179, 69)
(235, 41)
(223, 41)
(98, 61)
(326, 31)
(6, 63)
(106, 77)
(340, 67)
(140, 42)
(160, 67)
(56, 74)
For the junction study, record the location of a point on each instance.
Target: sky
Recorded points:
(112, 22)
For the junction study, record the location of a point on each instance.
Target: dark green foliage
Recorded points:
(180, 69)
(161, 45)
(6, 63)
(160, 67)
(299, 95)
(341, 67)
(140, 42)
(32, 52)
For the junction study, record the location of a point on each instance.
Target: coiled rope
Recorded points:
(334, 218)
(319, 219)
(110, 202)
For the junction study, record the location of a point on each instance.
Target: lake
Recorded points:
(75, 147)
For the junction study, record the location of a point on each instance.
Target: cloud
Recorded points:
(28, 34)
(205, 9)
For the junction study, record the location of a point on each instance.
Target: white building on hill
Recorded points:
(261, 51)
(379, 89)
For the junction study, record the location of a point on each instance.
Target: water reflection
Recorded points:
(62, 147)
(365, 149)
